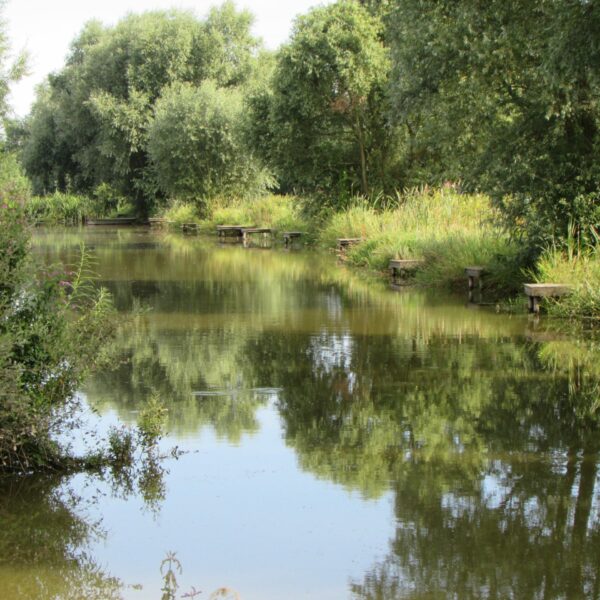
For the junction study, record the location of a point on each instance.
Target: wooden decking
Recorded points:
(401, 268)
(345, 243)
(248, 231)
(232, 230)
(536, 291)
(115, 221)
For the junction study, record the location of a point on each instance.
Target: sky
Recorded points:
(45, 28)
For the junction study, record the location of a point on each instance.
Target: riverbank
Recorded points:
(444, 228)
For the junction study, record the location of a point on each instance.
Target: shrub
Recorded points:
(52, 324)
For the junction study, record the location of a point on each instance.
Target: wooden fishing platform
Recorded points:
(536, 291)
(401, 268)
(157, 222)
(290, 236)
(231, 230)
(115, 221)
(344, 243)
(248, 231)
(190, 227)
(475, 276)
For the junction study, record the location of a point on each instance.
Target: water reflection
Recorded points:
(484, 428)
(44, 544)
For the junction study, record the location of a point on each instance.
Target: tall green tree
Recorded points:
(196, 146)
(503, 96)
(324, 115)
(91, 123)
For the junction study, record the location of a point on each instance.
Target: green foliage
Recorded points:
(503, 96)
(9, 72)
(67, 209)
(447, 229)
(107, 202)
(196, 147)
(181, 212)
(89, 126)
(579, 267)
(121, 447)
(322, 125)
(152, 421)
(52, 325)
(282, 213)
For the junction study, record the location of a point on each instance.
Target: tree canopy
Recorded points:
(366, 97)
(90, 124)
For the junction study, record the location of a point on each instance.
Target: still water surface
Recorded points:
(341, 440)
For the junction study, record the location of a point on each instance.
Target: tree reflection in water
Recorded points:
(44, 542)
(487, 438)
(491, 450)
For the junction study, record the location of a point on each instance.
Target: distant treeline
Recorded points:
(365, 98)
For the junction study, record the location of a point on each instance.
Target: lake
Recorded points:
(328, 438)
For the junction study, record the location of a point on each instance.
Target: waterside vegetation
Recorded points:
(194, 120)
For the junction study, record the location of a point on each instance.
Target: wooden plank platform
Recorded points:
(156, 221)
(344, 243)
(289, 236)
(190, 227)
(248, 231)
(257, 230)
(400, 268)
(474, 275)
(235, 230)
(115, 221)
(536, 291)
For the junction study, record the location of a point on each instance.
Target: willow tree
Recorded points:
(92, 121)
(195, 143)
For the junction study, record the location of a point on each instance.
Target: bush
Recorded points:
(52, 324)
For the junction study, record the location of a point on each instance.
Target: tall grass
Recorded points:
(59, 208)
(579, 267)
(447, 229)
(181, 212)
(282, 213)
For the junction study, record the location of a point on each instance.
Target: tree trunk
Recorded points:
(363, 158)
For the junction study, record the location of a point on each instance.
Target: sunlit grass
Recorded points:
(579, 268)
(447, 229)
(281, 213)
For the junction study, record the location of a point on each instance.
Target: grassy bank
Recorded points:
(281, 213)
(58, 208)
(72, 209)
(579, 268)
(448, 230)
